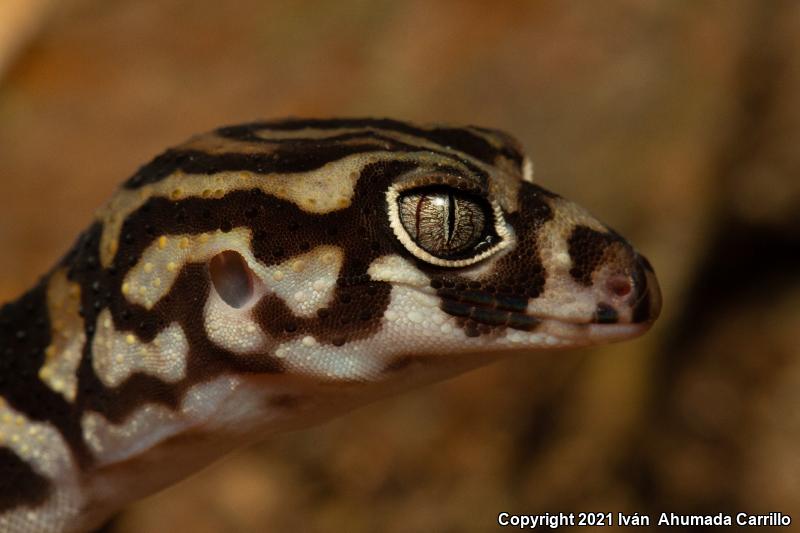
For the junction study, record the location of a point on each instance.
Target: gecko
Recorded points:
(268, 276)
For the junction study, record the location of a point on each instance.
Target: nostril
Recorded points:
(620, 286)
(605, 314)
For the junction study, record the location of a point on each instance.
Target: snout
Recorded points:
(632, 296)
(646, 298)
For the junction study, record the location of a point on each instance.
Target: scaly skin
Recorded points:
(268, 276)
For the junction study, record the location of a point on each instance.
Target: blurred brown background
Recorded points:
(676, 122)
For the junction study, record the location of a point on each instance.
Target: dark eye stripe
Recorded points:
(288, 158)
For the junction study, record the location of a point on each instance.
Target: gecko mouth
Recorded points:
(498, 310)
(573, 334)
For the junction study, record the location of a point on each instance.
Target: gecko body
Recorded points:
(268, 276)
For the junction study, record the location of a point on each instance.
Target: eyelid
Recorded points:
(445, 189)
(421, 179)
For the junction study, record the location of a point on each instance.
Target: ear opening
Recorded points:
(232, 278)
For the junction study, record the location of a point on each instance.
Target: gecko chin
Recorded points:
(526, 331)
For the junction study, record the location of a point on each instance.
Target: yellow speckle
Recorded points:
(162, 242)
(7, 418)
(157, 282)
(130, 339)
(309, 341)
(113, 246)
(142, 291)
(172, 267)
(148, 268)
(15, 438)
(278, 275)
(311, 202)
(45, 373)
(107, 323)
(50, 352)
(298, 265)
(184, 244)
(126, 288)
(250, 328)
(176, 194)
(204, 237)
(206, 193)
(119, 358)
(19, 421)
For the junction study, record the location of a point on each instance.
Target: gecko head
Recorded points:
(344, 250)
(263, 276)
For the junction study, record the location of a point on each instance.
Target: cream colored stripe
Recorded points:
(323, 190)
(63, 355)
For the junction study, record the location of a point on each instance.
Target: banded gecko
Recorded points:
(268, 276)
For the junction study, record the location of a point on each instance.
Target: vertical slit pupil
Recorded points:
(451, 216)
(232, 278)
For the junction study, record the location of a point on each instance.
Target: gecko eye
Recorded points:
(442, 222)
(445, 226)
(231, 278)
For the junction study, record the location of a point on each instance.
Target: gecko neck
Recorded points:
(59, 436)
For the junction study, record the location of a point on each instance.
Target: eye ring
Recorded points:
(446, 226)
